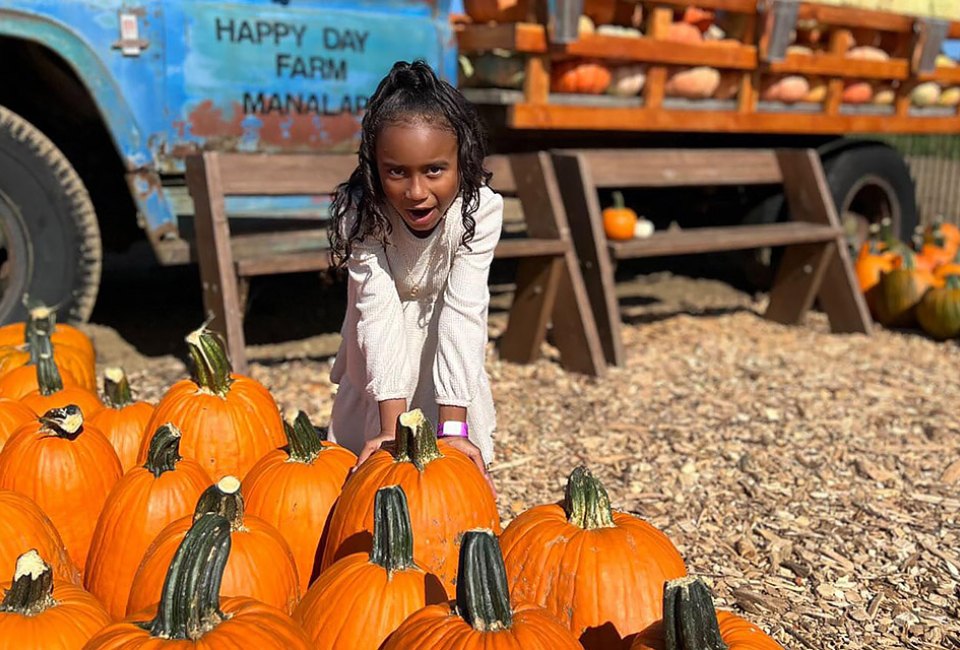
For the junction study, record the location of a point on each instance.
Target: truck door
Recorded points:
(287, 75)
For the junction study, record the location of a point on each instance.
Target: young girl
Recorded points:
(416, 227)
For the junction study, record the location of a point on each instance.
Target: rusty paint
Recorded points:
(307, 131)
(207, 120)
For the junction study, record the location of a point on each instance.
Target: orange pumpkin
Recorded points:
(52, 392)
(13, 415)
(374, 591)
(190, 613)
(123, 420)
(437, 480)
(228, 421)
(24, 525)
(580, 77)
(699, 18)
(482, 617)
(682, 32)
(138, 508)
(558, 555)
(857, 92)
(619, 221)
(261, 565)
(295, 489)
(873, 259)
(73, 350)
(68, 468)
(40, 613)
(690, 622)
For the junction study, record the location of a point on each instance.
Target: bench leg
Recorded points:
(840, 296)
(797, 281)
(537, 281)
(576, 337)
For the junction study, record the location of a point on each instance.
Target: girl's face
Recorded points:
(418, 170)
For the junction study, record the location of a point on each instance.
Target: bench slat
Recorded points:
(727, 238)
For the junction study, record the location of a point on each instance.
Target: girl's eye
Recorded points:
(434, 171)
(396, 172)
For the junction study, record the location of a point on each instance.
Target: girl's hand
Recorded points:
(472, 452)
(371, 446)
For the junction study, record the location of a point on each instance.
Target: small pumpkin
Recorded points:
(938, 312)
(681, 32)
(295, 489)
(944, 233)
(700, 82)
(559, 555)
(68, 468)
(482, 617)
(190, 612)
(627, 80)
(900, 290)
(228, 421)
(787, 89)
(437, 480)
(925, 94)
(261, 565)
(138, 508)
(619, 221)
(579, 77)
(690, 622)
(702, 19)
(41, 613)
(24, 525)
(124, 420)
(873, 259)
(950, 97)
(857, 92)
(374, 591)
(494, 69)
(496, 11)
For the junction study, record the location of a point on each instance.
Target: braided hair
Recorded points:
(411, 92)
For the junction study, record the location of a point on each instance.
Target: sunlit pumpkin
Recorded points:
(619, 221)
(123, 420)
(23, 525)
(938, 311)
(579, 76)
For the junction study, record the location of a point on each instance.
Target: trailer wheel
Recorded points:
(49, 237)
(868, 183)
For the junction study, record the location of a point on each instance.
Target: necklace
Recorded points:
(434, 247)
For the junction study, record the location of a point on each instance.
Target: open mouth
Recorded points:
(419, 214)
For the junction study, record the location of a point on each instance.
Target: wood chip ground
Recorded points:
(813, 479)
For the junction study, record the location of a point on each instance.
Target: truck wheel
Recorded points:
(868, 183)
(49, 238)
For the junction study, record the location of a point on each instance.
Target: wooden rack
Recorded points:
(535, 107)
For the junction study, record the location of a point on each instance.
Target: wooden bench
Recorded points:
(548, 286)
(815, 264)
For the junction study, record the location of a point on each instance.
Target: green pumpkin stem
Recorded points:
(40, 320)
(483, 599)
(41, 355)
(689, 617)
(586, 501)
(303, 439)
(952, 282)
(190, 601)
(618, 203)
(416, 439)
(63, 422)
(211, 367)
(392, 531)
(222, 498)
(31, 590)
(116, 388)
(164, 452)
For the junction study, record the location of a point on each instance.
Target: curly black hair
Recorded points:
(410, 92)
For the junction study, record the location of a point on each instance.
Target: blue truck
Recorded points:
(101, 100)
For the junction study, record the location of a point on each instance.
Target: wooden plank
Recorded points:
(575, 331)
(221, 297)
(836, 65)
(524, 38)
(855, 17)
(554, 117)
(943, 75)
(681, 167)
(726, 238)
(525, 247)
(286, 175)
(316, 260)
(533, 302)
(536, 81)
(809, 199)
(579, 194)
(797, 281)
(736, 6)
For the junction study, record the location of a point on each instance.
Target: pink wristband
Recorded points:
(453, 429)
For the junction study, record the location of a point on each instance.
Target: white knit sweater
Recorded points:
(416, 326)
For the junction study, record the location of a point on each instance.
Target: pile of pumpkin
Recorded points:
(915, 285)
(208, 518)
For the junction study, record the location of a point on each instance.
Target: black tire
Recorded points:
(867, 182)
(49, 237)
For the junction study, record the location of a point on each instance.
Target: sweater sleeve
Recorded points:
(380, 329)
(462, 335)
